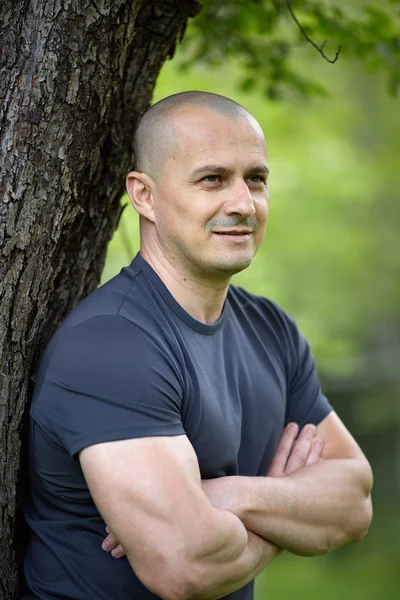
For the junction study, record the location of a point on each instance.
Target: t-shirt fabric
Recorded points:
(130, 362)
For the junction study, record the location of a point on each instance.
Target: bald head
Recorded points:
(156, 139)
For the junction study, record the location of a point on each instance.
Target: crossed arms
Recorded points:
(187, 538)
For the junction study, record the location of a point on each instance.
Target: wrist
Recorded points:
(239, 495)
(266, 496)
(223, 492)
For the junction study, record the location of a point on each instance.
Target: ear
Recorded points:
(139, 188)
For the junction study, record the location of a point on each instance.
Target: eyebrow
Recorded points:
(218, 170)
(258, 169)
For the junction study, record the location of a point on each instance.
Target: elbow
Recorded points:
(363, 521)
(168, 578)
(361, 515)
(356, 527)
(176, 589)
(168, 592)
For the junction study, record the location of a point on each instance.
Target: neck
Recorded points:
(202, 299)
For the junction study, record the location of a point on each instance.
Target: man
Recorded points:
(167, 395)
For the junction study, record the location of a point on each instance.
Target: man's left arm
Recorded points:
(308, 510)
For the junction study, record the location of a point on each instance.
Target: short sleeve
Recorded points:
(305, 401)
(108, 380)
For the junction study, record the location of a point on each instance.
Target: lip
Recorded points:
(233, 236)
(234, 231)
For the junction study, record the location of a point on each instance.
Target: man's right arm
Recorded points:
(180, 546)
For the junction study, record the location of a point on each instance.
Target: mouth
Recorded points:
(234, 235)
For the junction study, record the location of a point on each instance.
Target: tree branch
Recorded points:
(319, 48)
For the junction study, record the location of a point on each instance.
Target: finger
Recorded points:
(317, 445)
(108, 529)
(301, 449)
(277, 466)
(118, 552)
(109, 543)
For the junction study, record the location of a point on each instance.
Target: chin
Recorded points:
(232, 265)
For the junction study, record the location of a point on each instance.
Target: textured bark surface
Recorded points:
(75, 77)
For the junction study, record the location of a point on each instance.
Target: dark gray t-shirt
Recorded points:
(129, 362)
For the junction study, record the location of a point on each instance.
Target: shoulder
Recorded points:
(266, 319)
(261, 310)
(107, 344)
(117, 320)
(109, 334)
(106, 354)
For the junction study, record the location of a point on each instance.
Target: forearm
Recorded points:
(221, 578)
(216, 558)
(311, 511)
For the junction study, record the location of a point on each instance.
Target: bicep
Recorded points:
(144, 487)
(338, 441)
(340, 444)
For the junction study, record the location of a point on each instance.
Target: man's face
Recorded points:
(211, 205)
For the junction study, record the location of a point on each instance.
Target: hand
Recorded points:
(111, 544)
(292, 454)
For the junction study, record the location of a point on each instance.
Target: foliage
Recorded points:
(359, 577)
(266, 36)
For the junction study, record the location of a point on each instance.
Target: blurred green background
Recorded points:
(331, 258)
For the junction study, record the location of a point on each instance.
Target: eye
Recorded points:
(257, 179)
(211, 178)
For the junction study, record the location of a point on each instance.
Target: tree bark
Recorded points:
(75, 76)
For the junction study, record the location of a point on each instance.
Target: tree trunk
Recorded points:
(75, 77)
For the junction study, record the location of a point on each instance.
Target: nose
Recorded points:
(240, 201)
